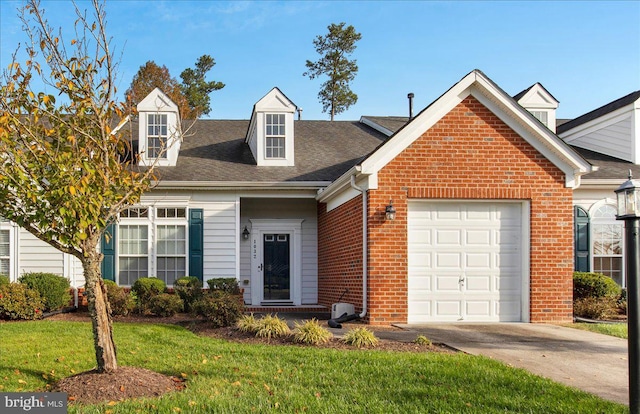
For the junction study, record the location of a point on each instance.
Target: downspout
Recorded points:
(364, 245)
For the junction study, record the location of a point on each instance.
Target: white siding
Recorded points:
(38, 256)
(265, 208)
(220, 235)
(612, 134)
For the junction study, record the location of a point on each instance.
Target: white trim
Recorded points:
(238, 237)
(284, 226)
(13, 230)
(368, 122)
(240, 185)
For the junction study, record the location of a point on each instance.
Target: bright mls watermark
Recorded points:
(33, 402)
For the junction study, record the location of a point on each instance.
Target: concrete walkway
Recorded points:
(589, 361)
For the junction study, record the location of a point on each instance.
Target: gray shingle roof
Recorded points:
(215, 150)
(608, 167)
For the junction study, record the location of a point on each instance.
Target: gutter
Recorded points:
(364, 245)
(218, 185)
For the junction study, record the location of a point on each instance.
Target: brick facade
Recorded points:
(469, 154)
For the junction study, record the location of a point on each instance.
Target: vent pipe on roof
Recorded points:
(299, 113)
(410, 96)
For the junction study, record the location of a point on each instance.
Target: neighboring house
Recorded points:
(478, 190)
(608, 137)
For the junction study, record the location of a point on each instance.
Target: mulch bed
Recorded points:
(92, 387)
(132, 382)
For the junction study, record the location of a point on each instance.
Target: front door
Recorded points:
(277, 269)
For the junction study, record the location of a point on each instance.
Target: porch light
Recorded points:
(390, 212)
(628, 195)
(245, 233)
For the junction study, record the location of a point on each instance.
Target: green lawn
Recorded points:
(224, 377)
(613, 329)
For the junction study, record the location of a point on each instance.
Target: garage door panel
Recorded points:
(477, 309)
(478, 283)
(448, 237)
(478, 261)
(447, 283)
(448, 308)
(478, 237)
(448, 260)
(479, 243)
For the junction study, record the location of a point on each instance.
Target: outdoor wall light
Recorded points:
(245, 233)
(628, 195)
(390, 212)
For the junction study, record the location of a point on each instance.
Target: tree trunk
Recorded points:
(100, 315)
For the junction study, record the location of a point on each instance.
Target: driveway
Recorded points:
(589, 361)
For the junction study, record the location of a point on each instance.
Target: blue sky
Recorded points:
(585, 53)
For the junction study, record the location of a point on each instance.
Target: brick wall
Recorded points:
(340, 254)
(468, 154)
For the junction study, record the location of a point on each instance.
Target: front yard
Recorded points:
(224, 376)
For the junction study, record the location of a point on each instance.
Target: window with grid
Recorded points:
(5, 252)
(133, 253)
(275, 136)
(171, 254)
(607, 243)
(157, 136)
(543, 116)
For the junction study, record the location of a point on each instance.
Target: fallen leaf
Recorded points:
(204, 361)
(183, 375)
(21, 381)
(111, 403)
(237, 383)
(318, 395)
(192, 403)
(122, 388)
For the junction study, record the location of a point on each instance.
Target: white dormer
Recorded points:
(270, 134)
(159, 130)
(540, 103)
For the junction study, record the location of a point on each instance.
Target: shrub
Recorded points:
(17, 301)
(247, 323)
(189, 288)
(145, 289)
(311, 333)
(225, 284)
(4, 280)
(360, 337)
(120, 301)
(271, 326)
(53, 289)
(220, 308)
(594, 285)
(165, 304)
(422, 340)
(595, 308)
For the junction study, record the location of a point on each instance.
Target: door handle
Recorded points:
(260, 267)
(461, 281)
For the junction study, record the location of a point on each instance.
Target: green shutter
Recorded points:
(108, 249)
(196, 222)
(581, 239)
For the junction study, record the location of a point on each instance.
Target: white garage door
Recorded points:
(465, 261)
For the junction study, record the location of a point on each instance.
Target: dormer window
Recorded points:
(160, 134)
(275, 136)
(157, 135)
(270, 135)
(540, 103)
(542, 116)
